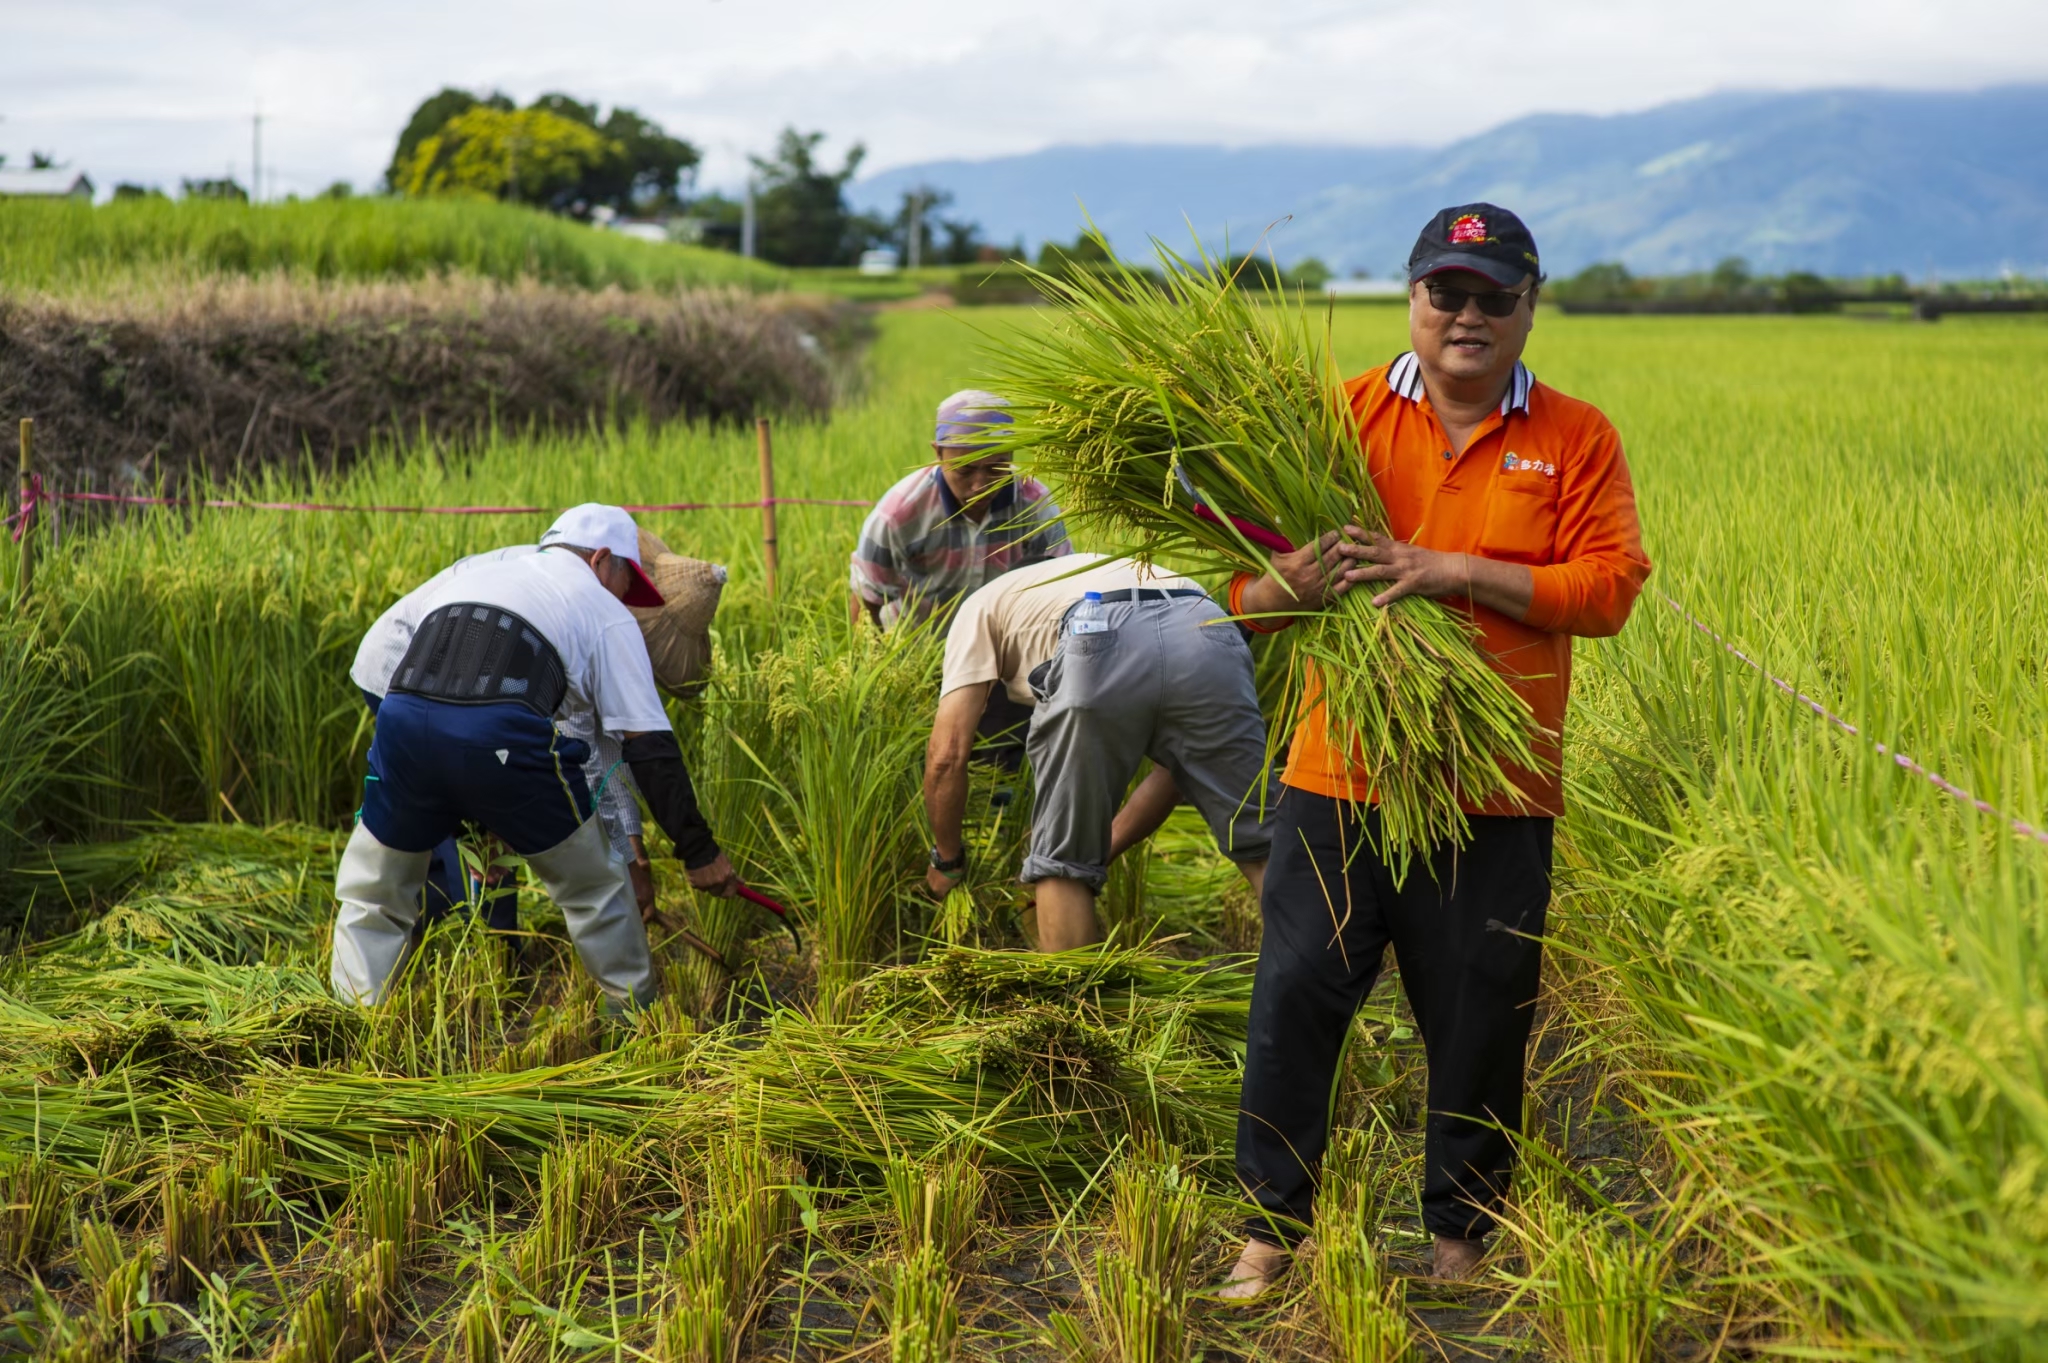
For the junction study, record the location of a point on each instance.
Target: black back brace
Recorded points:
(470, 654)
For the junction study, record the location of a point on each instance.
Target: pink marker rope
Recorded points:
(212, 503)
(1935, 779)
(22, 520)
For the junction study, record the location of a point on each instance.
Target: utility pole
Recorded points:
(916, 243)
(747, 227)
(256, 157)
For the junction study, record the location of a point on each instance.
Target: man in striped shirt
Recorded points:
(946, 529)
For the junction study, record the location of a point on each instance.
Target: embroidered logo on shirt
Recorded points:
(503, 753)
(1468, 230)
(1515, 463)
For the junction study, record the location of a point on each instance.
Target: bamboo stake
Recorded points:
(769, 554)
(28, 539)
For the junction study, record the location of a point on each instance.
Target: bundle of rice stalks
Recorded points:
(1195, 423)
(203, 892)
(1120, 983)
(192, 1019)
(1041, 1095)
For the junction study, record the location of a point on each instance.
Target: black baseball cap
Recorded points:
(1481, 237)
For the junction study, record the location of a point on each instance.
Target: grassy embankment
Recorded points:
(71, 247)
(1795, 1055)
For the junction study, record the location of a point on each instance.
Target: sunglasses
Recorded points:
(1493, 302)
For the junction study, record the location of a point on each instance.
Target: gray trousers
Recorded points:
(1170, 680)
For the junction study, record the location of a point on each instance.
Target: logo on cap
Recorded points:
(1469, 230)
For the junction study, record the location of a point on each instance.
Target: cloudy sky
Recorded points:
(156, 90)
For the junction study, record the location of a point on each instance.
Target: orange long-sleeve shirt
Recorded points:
(1543, 482)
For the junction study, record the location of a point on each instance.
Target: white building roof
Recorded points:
(44, 182)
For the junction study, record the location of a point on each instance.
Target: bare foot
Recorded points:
(1456, 1260)
(1255, 1271)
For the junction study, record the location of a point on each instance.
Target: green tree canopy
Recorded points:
(525, 155)
(800, 207)
(643, 167)
(432, 116)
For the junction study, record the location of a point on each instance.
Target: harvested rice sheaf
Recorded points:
(1189, 422)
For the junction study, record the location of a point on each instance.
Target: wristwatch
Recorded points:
(947, 867)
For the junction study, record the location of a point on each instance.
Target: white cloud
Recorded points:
(155, 92)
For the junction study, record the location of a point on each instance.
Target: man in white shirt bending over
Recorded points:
(1155, 671)
(467, 731)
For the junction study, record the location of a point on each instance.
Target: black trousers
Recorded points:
(1000, 734)
(1331, 910)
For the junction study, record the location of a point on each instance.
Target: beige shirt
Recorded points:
(1012, 624)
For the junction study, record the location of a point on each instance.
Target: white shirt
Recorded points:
(597, 638)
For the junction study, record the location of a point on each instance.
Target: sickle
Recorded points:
(754, 896)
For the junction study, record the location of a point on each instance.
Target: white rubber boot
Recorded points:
(588, 881)
(379, 889)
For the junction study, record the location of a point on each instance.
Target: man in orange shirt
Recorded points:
(1511, 502)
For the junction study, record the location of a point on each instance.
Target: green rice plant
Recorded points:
(203, 1221)
(1137, 1295)
(1168, 418)
(322, 1327)
(453, 1007)
(401, 1200)
(42, 723)
(1364, 1306)
(847, 716)
(1596, 1276)
(36, 1198)
(582, 1187)
(938, 1204)
(70, 245)
(118, 1317)
(923, 1308)
(719, 1282)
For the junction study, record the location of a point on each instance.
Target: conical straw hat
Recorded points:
(678, 633)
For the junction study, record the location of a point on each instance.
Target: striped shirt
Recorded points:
(919, 554)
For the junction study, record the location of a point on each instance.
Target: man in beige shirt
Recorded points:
(1158, 672)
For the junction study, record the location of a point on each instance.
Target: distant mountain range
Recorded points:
(1840, 182)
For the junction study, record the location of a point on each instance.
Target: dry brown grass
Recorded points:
(157, 379)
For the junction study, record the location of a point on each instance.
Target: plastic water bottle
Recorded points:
(1090, 617)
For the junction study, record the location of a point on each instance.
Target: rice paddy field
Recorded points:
(1791, 1075)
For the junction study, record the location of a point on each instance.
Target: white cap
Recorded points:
(594, 525)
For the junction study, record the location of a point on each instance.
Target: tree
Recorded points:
(643, 169)
(800, 207)
(432, 116)
(961, 245)
(1730, 276)
(1605, 282)
(1090, 248)
(525, 155)
(226, 190)
(1806, 292)
(127, 189)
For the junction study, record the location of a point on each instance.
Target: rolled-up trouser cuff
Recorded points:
(1037, 868)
